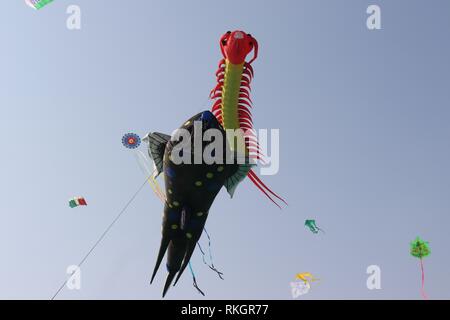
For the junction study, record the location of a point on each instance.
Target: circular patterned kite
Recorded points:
(131, 140)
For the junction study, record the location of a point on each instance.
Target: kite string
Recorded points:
(211, 266)
(194, 280)
(203, 254)
(152, 181)
(101, 237)
(155, 187)
(158, 188)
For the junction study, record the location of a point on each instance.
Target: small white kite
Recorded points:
(37, 4)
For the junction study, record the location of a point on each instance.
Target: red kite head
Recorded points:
(236, 45)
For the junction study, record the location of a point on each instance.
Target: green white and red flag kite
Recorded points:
(77, 201)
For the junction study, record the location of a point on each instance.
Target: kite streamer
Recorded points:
(422, 290)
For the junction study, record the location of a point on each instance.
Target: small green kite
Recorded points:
(420, 249)
(37, 4)
(311, 224)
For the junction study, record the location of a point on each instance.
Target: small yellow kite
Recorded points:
(306, 277)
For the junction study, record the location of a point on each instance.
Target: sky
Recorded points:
(363, 118)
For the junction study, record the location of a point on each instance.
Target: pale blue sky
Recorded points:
(364, 123)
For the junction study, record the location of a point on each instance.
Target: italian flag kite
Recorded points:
(37, 4)
(77, 201)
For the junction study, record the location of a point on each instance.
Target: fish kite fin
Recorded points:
(233, 181)
(169, 280)
(156, 146)
(187, 257)
(162, 251)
